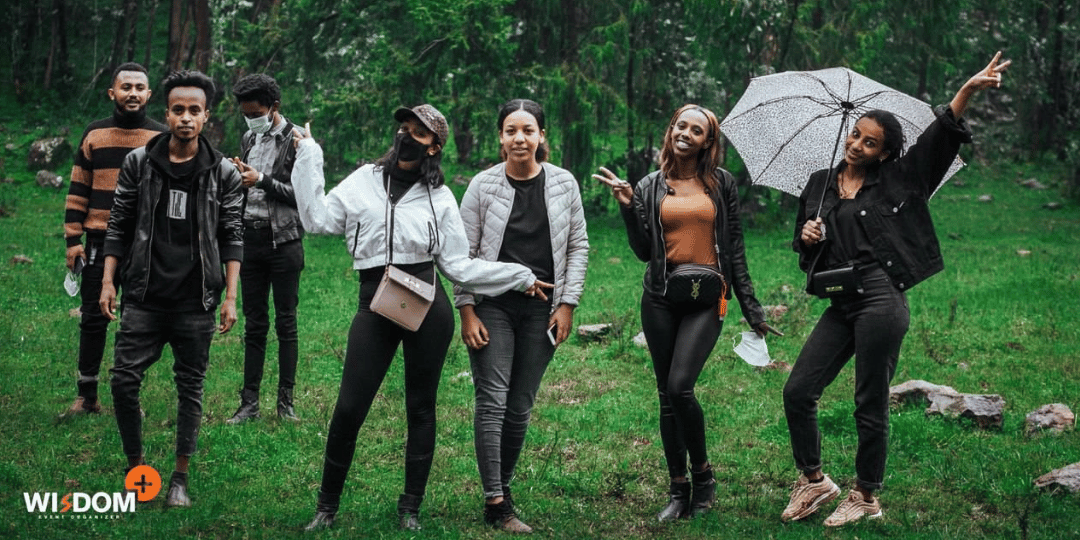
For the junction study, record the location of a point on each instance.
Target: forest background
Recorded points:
(609, 75)
(608, 72)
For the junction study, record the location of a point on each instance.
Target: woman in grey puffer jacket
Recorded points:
(526, 211)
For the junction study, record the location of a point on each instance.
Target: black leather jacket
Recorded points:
(892, 204)
(646, 238)
(284, 217)
(218, 211)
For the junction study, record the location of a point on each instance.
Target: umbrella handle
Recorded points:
(836, 146)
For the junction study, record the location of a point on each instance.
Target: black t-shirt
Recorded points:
(847, 238)
(527, 239)
(175, 267)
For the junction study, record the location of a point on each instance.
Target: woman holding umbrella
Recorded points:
(397, 211)
(867, 218)
(683, 220)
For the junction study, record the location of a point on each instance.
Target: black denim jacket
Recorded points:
(892, 204)
(646, 238)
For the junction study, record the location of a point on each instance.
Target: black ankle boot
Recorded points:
(408, 510)
(285, 409)
(678, 504)
(249, 407)
(325, 511)
(704, 491)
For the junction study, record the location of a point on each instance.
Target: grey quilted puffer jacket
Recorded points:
(485, 208)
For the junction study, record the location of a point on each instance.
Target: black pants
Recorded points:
(871, 326)
(680, 337)
(139, 342)
(93, 326)
(373, 340)
(267, 268)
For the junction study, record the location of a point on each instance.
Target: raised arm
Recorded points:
(988, 77)
(318, 213)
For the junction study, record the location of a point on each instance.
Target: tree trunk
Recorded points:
(22, 74)
(178, 42)
(150, 33)
(132, 9)
(202, 35)
(55, 47)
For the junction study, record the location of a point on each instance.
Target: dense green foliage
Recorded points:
(609, 72)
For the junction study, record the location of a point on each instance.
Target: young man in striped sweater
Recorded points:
(104, 145)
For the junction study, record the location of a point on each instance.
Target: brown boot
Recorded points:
(502, 516)
(82, 406)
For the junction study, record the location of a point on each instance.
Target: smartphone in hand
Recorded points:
(551, 333)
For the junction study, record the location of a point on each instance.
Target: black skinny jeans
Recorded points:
(680, 338)
(269, 268)
(872, 327)
(373, 340)
(93, 326)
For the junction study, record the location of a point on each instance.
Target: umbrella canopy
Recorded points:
(789, 125)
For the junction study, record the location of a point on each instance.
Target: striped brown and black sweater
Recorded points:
(104, 145)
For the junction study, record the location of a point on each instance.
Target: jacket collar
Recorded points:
(157, 150)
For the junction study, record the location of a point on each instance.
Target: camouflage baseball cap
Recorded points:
(429, 116)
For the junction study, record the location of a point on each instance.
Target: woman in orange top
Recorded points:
(687, 213)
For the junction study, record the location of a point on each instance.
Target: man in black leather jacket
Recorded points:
(175, 221)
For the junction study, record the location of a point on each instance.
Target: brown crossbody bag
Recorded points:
(402, 297)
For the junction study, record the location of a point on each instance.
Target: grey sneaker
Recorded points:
(807, 497)
(852, 509)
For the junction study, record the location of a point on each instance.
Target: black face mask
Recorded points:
(409, 149)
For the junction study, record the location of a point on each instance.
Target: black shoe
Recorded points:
(322, 520)
(704, 491)
(285, 409)
(178, 496)
(249, 407)
(678, 504)
(408, 509)
(325, 511)
(409, 522)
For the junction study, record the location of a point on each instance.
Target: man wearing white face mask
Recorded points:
(274, 250)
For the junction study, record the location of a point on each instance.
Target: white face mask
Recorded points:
(71, 284)
(753, 350)
(260, 124)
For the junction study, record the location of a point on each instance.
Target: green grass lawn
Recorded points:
(993, 322)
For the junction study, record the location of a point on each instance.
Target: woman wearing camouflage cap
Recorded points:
(407, 185)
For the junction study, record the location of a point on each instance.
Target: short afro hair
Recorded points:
(193, 78)
(128, 66)
(257, 87)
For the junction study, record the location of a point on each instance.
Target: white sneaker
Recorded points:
(807, 497)
(853, 508)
